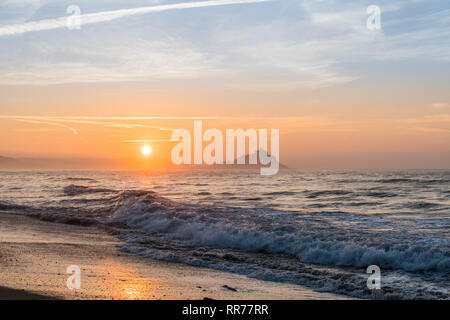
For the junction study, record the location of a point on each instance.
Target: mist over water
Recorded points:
(319, 229)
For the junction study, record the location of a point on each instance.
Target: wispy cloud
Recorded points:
(438, 105)
(148, 140)
(90, 18)
(47, 123)
(101, 121)
(278, 45)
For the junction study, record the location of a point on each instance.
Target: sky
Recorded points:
(342, 95)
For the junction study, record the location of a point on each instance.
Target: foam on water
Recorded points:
(316, 242)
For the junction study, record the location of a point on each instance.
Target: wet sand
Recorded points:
(35, 255)
(13, 294)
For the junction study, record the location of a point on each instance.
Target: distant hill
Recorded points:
(7, 163)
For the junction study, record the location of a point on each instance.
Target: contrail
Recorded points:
(103, 16)
(148, 140)
(55, 121)
(49, 123)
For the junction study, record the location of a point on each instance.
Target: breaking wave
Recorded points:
(310, 245)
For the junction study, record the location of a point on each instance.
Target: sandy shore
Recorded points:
(34, 256)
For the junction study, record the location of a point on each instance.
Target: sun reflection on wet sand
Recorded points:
(124, 283)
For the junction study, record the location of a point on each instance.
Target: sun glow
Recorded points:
(146, 150)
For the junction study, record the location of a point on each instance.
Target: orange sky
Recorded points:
(320, 134)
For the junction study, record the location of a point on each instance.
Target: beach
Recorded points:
(34, 256)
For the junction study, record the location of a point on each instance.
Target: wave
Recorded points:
(280, 193)
(80, 179)
(280, 268)
(7, 206)
(321, 193)
(66, 219)
(395, 180)
(323, 258)
(413, 180)
(310, 239)
(73, 190)
(379, 194)
(323, 247)
(422, 205)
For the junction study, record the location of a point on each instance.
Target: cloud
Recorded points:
(47, 123)
(438, 105)
(99, 121)
(281, 45)
(92, 60)
(147, 140)
(90, 18)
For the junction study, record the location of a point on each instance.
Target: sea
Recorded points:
(320, 229)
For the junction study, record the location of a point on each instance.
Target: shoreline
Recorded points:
(34, 256)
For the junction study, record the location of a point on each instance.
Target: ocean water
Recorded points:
(318, 229)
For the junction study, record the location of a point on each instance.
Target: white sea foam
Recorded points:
(314, 245)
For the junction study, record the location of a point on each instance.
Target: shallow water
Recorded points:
(319, 229)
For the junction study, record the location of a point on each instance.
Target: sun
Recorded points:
(146, 150)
